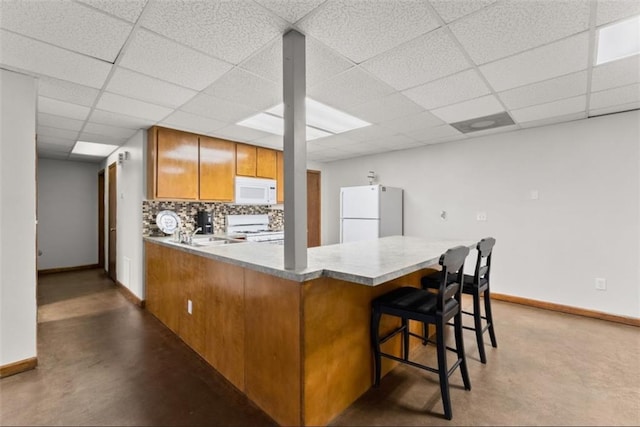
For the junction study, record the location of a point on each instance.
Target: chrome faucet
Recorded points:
(188, 237)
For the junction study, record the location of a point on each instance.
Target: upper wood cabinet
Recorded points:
(217, 169)
(246, 158)
(280, 176)
(172, 164)
(266, 163)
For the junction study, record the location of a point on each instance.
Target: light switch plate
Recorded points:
(481, 216)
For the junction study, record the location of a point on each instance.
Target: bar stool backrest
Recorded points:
(483, 263)
(452, 262)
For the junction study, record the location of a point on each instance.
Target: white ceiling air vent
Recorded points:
(483, 123)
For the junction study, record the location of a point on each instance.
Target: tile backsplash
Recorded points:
(187, 212)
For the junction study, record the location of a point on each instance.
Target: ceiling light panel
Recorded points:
(218, 27)
(362, 29)
(132, 107)
(67, 91)
(139, 86)
(543, 63)
(350, 88)
(67, 24)
(59, 122)
(119, 120)
(547, 91)
(272, 124)
(419, 61)
(61, 108)
(51, 60)
(129, 10)
(478, 107)
(617, 96)
(192, 122)
(619, 40)
(218, 109)
(387, 108)
(290, 11)
(449, 90)
(507, 28)
(613, 10)
(449, 10)
(245, 88)
(91, 149)
(165, 59)
(328, 118)
(617, 73)
(557, 108)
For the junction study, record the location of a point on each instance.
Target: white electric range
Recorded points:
(254, 228)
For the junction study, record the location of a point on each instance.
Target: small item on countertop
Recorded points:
(168, 221)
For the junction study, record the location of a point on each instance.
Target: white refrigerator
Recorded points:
(369, 212)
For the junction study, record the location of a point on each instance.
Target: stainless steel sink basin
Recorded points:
(213, 241)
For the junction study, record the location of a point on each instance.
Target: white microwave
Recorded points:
(255, 191)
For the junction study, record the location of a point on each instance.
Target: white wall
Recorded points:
(130, 177)
(67, 213)
(17, 217)
(584, 225)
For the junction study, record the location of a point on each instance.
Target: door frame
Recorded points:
(101, 218)
(112, 223)
(318, 196)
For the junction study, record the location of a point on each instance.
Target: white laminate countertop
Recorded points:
(369, 262)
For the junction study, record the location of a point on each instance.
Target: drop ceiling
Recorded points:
(410, 67)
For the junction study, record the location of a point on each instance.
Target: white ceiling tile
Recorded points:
(85, 159)
(445, 139)
(492, 131)
(550, 109)
(350, 88)
(113, 131)
(53, 155)
(549, 90)
(54, 143)
(385, 109)
(434, 133)
(145, 88)
(419, 61)
(239, 133)
(363, 148)
(614, 10)
(119, 120)
(478, 107)
(614, 109)
(449, 90)
(510, 27)
(217, 109)
(192, 122)
(333, 141)
(368, 133)
(450, 10)
(125, 9)
(420, 121)
(553, 60)
(67, 24)
(165, 59)
(60, 108)
(243, 87)
(553, 120)
(616, 73)
(227, 30)
(131, 107)
(618, 96)
(67, 91)
(59, 122)
(51, 60)
(57, 133)
(273, 141)
(360, 30)
(396, 142)
(290, 10)
(101, 139)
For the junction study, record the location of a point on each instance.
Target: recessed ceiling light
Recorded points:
(322, 120)
(93, 149)
(619, 40)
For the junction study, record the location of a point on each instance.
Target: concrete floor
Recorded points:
(103, 361)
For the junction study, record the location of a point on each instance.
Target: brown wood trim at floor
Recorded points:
(17, 367)
(632, 321)
(66, 269)
(129, 295)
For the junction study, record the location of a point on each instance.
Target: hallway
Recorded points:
(103, 361)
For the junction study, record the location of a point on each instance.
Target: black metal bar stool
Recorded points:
(477, 286)
(420, 305)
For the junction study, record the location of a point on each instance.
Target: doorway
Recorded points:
(113, 191)
(101, 223)
(313, 208)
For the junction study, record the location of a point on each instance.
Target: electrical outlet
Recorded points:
(189, 306)
(481, 216)
(601, 284)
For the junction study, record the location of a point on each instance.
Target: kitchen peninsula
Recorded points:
(295, 342)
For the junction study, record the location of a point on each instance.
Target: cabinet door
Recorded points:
(280, 176)
(217, 169)
(177, 167)
(245, 160)
(266, 163)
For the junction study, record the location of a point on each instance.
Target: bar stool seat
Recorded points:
(409, 303)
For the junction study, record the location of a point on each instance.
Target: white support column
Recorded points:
(295, 151)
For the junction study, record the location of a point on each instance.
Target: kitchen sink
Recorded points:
(213, 241)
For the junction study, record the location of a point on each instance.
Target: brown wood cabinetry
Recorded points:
(246, 159)
(280, 176)
(172, 164)
(266, 163)
(217, 169)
